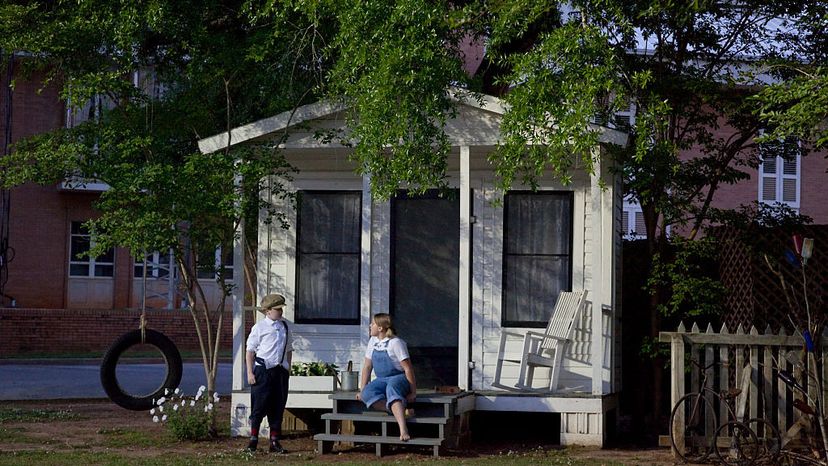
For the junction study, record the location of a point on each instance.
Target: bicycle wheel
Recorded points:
(770, 443)
(736, 444)
(698, 422)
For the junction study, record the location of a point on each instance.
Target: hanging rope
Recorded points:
(143, 323)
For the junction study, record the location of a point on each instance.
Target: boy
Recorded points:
(269, 353)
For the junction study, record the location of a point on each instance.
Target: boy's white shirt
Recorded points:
(266, 339)
(396, 347)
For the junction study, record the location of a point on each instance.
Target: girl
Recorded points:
(394, 386)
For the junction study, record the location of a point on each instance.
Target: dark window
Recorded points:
(537, 255)
(328, 257)
(80, 264)
(213, 261)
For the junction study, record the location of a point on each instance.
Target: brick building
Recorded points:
(797, 183)
(41, 230)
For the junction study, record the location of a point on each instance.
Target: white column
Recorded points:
(596, 295)
(238, 306)
(463, 336)
(365, 267)
(610, 209)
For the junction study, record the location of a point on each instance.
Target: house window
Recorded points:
(81, 265)
(632, 220)
(779, 172)
(213, 261)
(537, 255)
(622, 120)
(158, 265)
(328, 247)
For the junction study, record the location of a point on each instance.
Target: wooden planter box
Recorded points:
(313, 383)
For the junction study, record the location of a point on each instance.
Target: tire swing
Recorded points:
(172, 361)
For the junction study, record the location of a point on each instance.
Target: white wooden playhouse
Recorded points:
(453, 268)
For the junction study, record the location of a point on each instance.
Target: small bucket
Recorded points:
(349, 380)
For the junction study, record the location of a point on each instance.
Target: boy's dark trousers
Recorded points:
(269, 396)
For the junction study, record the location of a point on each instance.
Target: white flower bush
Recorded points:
(188, 418)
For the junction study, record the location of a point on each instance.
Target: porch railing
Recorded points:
(765, 353)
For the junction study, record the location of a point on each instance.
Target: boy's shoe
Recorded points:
(276, 447)
(251, 446)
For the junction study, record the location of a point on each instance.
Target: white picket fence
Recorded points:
(768, 397)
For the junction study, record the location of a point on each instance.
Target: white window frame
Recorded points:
(156, 262)
(779, 176)
(217, 263)
(628, 114)
(89, 261)
(633, 211)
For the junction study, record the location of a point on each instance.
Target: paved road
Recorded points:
(48, 381)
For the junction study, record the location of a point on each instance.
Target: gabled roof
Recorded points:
(262, 128)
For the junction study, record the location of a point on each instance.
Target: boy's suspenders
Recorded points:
(284, 350)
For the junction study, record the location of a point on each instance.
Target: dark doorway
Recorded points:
(425, 258)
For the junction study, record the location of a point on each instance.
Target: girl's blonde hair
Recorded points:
(383, 320)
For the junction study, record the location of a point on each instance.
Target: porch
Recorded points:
(585, 418)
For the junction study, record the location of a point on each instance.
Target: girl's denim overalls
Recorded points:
(390, 383)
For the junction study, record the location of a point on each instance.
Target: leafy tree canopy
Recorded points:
(691, 72)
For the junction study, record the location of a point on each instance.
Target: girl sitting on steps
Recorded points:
(395, 385)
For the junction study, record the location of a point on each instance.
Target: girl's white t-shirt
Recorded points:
(396, 348)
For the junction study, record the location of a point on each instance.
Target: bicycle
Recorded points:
(795, 458)
(703, 434)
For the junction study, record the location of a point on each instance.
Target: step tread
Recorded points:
(422, 398)
(378, 439)
(382, 417)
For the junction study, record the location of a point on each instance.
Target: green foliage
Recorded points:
(652, 348)
(30, 415)
(395, 59)
(201, 68)
(119, 437)
(558, 67)
(17, 435)
(693, 290)
(313, 368)
(187, 418)
(548, 124)
(798, 107)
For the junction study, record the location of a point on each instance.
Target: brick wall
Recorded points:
(32, 331)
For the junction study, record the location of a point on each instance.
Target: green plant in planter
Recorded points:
(313, 368)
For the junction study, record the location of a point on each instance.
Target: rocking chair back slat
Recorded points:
(563, 318)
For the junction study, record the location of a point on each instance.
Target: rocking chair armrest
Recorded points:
(510, 333)
(543, 335)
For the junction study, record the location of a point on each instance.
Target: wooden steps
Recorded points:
(383, 417)
(439, 421)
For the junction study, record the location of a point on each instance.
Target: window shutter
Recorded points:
(768, 193)
(779, 172)
(640, 228)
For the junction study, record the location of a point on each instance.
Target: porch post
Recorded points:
(596, 294)
(365, 267)
(464, 289)
(238, 307)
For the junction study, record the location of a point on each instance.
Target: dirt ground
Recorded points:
(101, 426)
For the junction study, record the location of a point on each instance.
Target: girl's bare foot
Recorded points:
(404, 437)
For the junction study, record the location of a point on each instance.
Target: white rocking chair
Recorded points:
(543, 349)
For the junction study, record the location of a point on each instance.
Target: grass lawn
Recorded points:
(97, 432)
